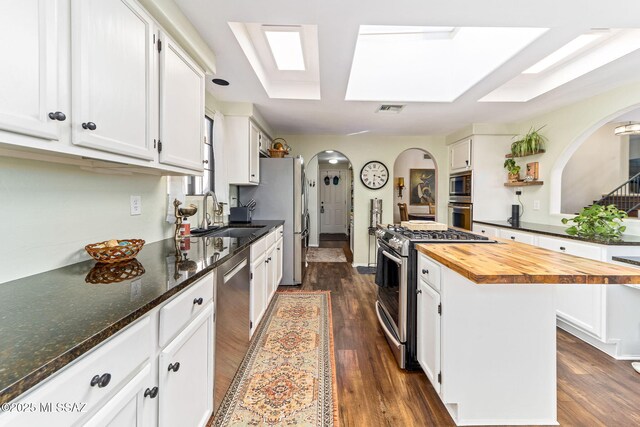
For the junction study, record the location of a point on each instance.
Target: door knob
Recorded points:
(58, 115)
(89, 126)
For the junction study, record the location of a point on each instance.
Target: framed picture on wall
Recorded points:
(422, 183)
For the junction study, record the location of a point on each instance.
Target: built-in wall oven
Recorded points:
(460, 215)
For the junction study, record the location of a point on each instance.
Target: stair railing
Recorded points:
(620, 195)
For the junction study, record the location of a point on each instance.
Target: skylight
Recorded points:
(429, 64)
(286, 47)
(564, 52)
(582, 55)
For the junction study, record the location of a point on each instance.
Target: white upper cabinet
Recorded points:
(460, 156)
(112, 77)
(181, 107)
(247, 140)
(29, 71)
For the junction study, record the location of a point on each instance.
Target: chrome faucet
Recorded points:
(217, 210)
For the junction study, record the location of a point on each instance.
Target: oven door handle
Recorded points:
(386, 330)
(392, 258)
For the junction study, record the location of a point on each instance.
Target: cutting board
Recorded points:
(424, 225)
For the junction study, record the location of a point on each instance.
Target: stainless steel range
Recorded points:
(396, 277)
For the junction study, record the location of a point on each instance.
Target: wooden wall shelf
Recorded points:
(523, 183)
(509, 156)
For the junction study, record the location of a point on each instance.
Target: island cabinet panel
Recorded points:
(495, 346)
(428, 332)
(517, 236)
(485, 230)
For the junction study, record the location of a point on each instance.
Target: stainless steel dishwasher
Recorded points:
(232, 321)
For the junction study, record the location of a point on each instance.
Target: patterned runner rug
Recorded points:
(287, 377)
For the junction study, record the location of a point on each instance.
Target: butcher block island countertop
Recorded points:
(509, 262)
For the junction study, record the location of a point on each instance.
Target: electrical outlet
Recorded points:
(518, 192)
(536, 205)
(136, 205)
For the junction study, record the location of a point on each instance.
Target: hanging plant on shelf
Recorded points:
(598, 222)
(531, 143)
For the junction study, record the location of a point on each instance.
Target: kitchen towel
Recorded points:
(386, 271)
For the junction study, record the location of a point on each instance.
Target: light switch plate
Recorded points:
(136, 205)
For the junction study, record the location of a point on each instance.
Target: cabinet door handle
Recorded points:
(89, 125)
(513, 237)
(206, 162)
(467, 162)
(174, 367)
(151, 392)
(252, 175)
(278, 248)
(197, 301)
(562, 248)
(425, 271)
(58, 115)
(418, 291)
(100, 380)
(483, 231)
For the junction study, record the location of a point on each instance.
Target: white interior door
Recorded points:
(112, 55)
(333, 201)
(29, 71)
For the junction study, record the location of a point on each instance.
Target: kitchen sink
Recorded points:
(227, 232)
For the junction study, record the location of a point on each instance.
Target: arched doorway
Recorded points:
(415, 184)
(615, 158)
(330, 191)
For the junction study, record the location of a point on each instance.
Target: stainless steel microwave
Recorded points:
(460, 187)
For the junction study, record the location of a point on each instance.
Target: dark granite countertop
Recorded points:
(50, 319)
(633, 260)
(559, 231)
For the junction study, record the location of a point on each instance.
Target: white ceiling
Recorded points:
(338, 23)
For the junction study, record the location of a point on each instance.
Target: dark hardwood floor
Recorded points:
(593, 389)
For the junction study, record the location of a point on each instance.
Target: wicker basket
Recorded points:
(115, 253)
(278, 154)
(115, 272)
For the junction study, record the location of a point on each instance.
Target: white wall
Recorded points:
(567, 128)
(51, 211)
(410, 159)
(600, 165)
(360, 149)
(311, 171)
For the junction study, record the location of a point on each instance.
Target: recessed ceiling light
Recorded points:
(220, 82)
(329, 151)
(564, 52)
(333, 161)
(286, 47)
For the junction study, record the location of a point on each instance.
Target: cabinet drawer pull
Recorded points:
(206, 162)
(483, 231)
(89, 125)
(425, 271)
(174, 367)
(151, 392)
(513, 237)
(418, 291)
(100, 380)
(58, 115)
(198, 301)
(562, 248)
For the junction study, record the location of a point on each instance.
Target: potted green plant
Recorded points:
(531, 143)
(512, 169)
(597, 222)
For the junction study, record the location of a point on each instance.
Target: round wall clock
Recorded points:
(374, 175)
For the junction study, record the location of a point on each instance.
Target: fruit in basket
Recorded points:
(112, 243)
(278, 146)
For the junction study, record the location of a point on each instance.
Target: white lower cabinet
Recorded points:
(485, 230)
(131, 379)
(517, 236)
(186, 375)
(428, 332)
(266, 273)
(126, 408)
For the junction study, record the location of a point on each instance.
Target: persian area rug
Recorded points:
(287, 377)
(326, 255)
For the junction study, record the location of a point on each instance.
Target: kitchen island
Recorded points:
(487, 326)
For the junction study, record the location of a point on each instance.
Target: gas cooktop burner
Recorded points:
(439, 235)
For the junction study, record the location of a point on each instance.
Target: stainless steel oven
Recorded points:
(460, 215)
(391, 307)
(460, 187)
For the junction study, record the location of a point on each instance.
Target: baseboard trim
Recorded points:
(610, 348)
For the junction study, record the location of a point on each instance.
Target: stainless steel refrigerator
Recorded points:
(282, 195)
